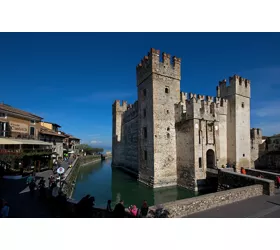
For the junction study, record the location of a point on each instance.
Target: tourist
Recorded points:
(32, 186)
(133, 210)
(227, 165)
(55, 190)
(243, 171)
(144, 209)
(109, 208)
(119, 211)
(29, 179)
(51, 181)
(4, 209)
(278, 182)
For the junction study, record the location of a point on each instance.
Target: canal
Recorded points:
(106, 183)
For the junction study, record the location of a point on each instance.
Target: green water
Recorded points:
(106, 183)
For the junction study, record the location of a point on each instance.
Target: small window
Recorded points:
(144, 92)
(144, 113)
(168, 135)
(32, 122)
(32, 131)
(167, 111)
(242, 105)
(166, 90)
(243, 155)
(145, 132)
(168, 129)
(199, 162)
(145, 155)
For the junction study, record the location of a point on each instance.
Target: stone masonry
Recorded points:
(168, 137)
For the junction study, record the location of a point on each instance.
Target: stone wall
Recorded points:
(265, 174)
(185, 207)
(72, 173)
(269, 160)
(230, 180)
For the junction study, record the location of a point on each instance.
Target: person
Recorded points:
(51, 181)
(243, 171)
(32, 186)
(133, 210)
(29, 179)
(144, 209)
(109, 208)
(278, 182)
(119, 211)
(42, 187)
(4, 209)
(227, 165)
(55, 190)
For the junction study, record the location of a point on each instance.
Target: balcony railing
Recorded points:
(17, 135)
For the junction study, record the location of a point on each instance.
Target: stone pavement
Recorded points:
(258, 207)
(22, 204)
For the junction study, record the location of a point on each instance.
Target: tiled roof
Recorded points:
(11, 109)
(46, 131)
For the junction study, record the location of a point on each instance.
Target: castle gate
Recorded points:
(210, 158)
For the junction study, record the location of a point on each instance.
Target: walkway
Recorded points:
(22, 204)
(258, 207)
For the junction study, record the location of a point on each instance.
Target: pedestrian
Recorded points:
(133, 210)
(119, 211)
(32, 186)
(4, 209)
(278, 182)
(109, 208)
(144, 209)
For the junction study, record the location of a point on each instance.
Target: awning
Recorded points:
(5, 141)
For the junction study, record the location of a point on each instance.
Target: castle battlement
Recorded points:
(131, 112)
(162, 65)
(256, 133)
(237, 85)
(120, 105)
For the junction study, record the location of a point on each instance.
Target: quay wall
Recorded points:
(265, 174)
(185, 207)
(230, 180)
(71, 175)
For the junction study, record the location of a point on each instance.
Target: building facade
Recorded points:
(49, 133)
(169, 137)
(16, 123)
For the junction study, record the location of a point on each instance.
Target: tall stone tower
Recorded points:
(158, 83)
(238, 120)
(118, 109)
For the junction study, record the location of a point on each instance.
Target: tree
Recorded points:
(88, 149)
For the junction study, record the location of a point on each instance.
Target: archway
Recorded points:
(210, 158)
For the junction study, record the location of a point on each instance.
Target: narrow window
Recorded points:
(145, 155)
(168, 135)
(243, 155)
(242, 105)
(167, 111)
(32, 122)
(144, 113)
(168, 129)
(144, 92)
(166, 90)
(199, 162)
(32, 131)
(145, 132)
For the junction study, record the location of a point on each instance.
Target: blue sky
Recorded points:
(73, 78)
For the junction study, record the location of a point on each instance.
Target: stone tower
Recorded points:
(158, 83)
(238, 120)
(118, 109)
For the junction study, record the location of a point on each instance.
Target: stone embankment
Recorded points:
(72, 173)
(185, 207)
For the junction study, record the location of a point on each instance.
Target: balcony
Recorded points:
(17, 135)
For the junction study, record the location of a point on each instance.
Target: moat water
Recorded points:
(106, 183)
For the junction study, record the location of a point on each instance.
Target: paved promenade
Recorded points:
(258, 207)
(22, 204)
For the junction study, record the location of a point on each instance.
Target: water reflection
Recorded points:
(104, 182)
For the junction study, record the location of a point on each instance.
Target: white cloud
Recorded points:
(96, 142)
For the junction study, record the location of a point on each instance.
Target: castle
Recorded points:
(168, 137)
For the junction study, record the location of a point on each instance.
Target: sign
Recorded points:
(60, 170)
(18, 127)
